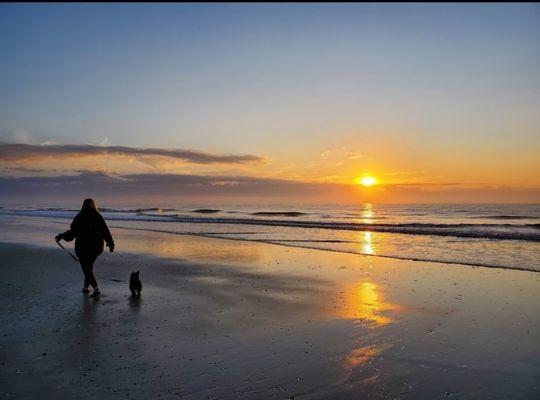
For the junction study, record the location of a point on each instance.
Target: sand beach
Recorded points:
(238, 320)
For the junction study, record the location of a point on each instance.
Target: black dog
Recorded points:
(135, 284)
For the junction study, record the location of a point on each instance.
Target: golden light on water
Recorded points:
(367, 243)
(367, 213)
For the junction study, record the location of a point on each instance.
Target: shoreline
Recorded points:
(280, 243)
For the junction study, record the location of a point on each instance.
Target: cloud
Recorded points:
(179, 187)
(342, 153)
(355, 155)
(19, 152)
(91, 183)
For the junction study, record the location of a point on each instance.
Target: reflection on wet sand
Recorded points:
(363, 354)
(365, 302)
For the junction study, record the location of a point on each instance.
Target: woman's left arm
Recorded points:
(107, 234)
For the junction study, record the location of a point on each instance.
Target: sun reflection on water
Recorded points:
(367, 243)
(367, 214)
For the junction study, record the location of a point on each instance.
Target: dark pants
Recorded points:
(87, 264)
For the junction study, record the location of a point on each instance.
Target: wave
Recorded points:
(279, 213)
(134, 210)
(526, 232)
(506, 217)
(206, 211)
(55, 209)
(530, 232)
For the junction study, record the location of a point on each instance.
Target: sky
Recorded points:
(282, 102)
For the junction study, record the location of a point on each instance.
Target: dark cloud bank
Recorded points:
(97, 183)
(19, 152)
(194, 187)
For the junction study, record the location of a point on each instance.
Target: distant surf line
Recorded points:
(473, 231)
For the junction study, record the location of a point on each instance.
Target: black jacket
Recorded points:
(89, 231)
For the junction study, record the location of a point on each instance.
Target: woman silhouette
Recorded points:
(89, 231)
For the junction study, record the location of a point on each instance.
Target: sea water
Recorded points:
(504, 236)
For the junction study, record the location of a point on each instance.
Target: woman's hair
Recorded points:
(89, 205)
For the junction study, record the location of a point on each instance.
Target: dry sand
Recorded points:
(221, 319)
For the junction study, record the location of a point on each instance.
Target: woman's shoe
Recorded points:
(96, 293)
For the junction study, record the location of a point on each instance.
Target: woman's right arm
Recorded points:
(71, 233)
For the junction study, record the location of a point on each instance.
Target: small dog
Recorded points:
(135, 284)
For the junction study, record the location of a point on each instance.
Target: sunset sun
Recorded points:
(367, 181)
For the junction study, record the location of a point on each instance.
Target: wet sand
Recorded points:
(239, 320)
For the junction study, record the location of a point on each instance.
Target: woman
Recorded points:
(89, 231)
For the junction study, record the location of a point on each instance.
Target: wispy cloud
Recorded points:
(355, 155)
(19, 152)
(342, 153)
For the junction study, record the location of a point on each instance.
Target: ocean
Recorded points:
(502, 236)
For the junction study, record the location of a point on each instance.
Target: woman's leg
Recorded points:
(87, 264)
(83, 267)
(91, 278)
(86, 283)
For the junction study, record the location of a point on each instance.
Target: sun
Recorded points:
(367, 181)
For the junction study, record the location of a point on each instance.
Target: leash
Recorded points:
(67, 251)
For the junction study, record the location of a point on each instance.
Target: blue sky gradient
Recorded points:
(234, 78)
